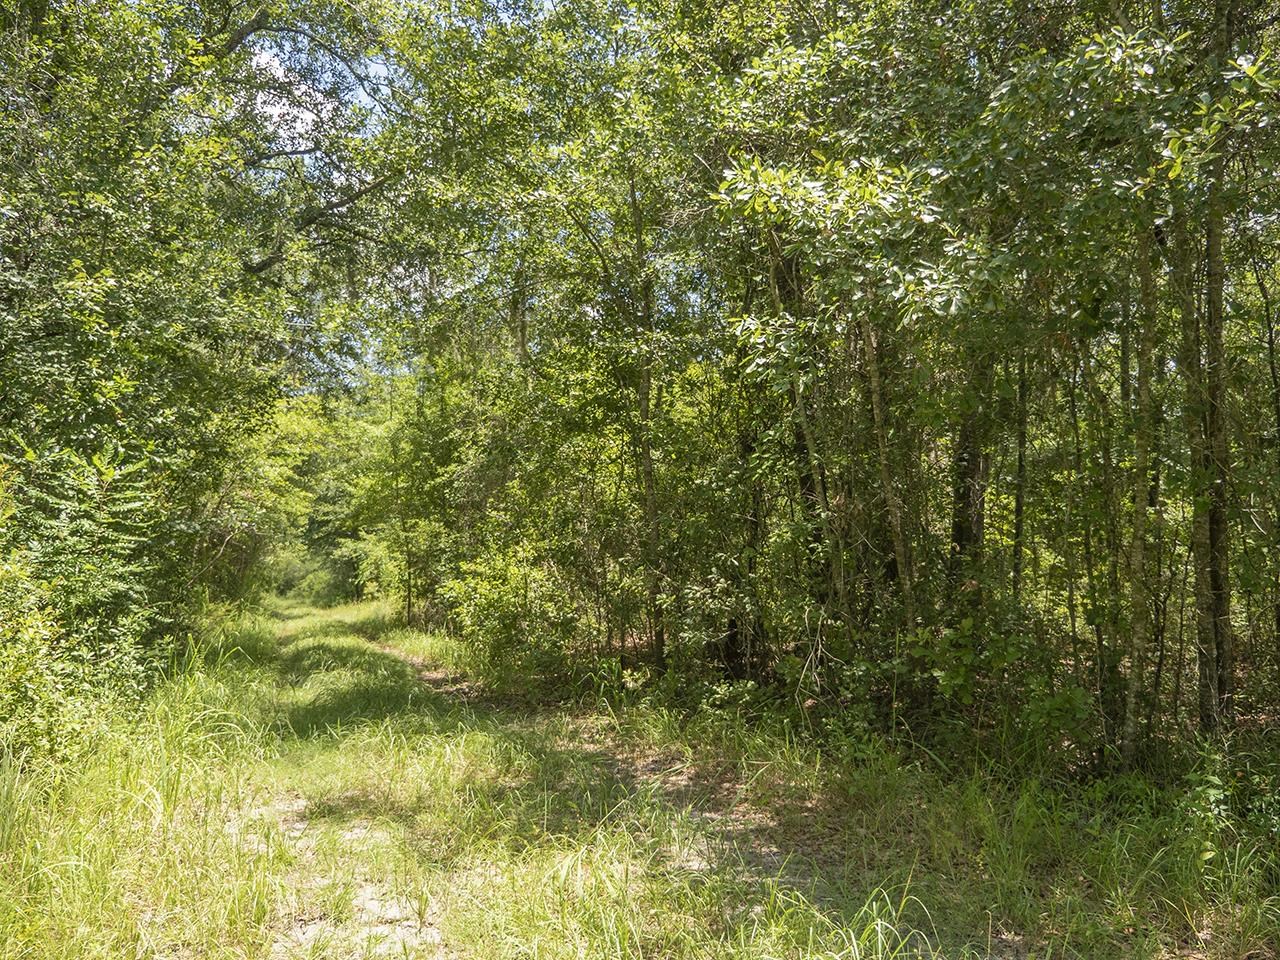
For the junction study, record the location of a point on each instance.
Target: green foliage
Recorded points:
(140, 348)
(901, 373)
(485, 826)
(73, 614)
(515, 618)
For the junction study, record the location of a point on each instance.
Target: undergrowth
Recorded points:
(293, 790)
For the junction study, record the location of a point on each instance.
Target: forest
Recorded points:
(654, 479)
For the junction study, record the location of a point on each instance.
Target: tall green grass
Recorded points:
(294, 790)
(135, 847)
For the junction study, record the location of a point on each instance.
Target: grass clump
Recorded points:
(310, 784)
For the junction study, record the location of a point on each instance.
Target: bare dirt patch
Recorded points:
(376, 922)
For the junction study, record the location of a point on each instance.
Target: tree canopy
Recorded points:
(916, 359)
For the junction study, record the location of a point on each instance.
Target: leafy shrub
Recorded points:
(77, 620)
(512, 613)
(50, 686)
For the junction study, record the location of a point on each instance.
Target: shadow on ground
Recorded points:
(544, 781)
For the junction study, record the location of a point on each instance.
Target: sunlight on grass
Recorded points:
(298, 791)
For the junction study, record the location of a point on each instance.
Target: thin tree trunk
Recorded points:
(901, 548)
(968, 494)
(1273, 368)
(1139, 596)
(648, 475)
(1219, 526)
(1215, 353)
(1194, 419)
(1020, 482)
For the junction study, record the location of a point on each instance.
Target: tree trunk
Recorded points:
(1020, 480)
(1273, 367)
(648, 476)
(1139, 596)
(1194, 421)
(1215, 279)
(901, 548)
(969, 493)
